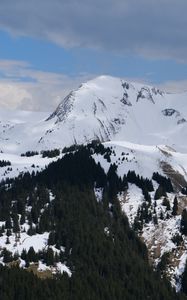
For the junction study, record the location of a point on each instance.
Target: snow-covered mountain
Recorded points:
(109, 108)
(152, 123)
(104, 108)
(146, 130)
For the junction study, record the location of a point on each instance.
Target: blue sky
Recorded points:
(50, 47)
(47, 56)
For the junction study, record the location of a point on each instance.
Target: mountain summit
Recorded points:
(108, 108)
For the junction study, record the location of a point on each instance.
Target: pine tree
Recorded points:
(7, 240)
(27, 263)
(15, 219)
(24, 254)
(166, 203)
(32, 256)
(160, 192)
(184, 222)
(155, 219)
(22, 219)
(8, 232)
(7, 256)
(161, 267)
(137, 226)
(16, 256)
(161, 215)
(8, 223)
(51, 239)
(175, 207)
(49, 257)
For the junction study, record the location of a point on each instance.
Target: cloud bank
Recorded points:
(155, 29)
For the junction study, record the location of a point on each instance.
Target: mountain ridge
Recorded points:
(117, 110)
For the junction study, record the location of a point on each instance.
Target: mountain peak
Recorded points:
(109, 108)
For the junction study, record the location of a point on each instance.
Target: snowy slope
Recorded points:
(145, 160)
(21, 130)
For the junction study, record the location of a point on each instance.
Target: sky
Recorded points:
(49, 47)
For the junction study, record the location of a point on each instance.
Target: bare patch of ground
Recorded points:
(41, 274)
(177, 178)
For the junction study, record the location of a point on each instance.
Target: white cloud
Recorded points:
(12, 96)
(22, 87)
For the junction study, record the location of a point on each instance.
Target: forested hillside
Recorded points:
(89, 236)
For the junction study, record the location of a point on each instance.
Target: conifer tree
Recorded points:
(24, 254)
(8, 223)
(22, 219)
(175, 207)
(51, 239)
(32, 256)
(160, 192)
(166, 203)
(49, 257)
(155, 219)
(7, 256)
(7, 240)
(15, 219)
(184, 222)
